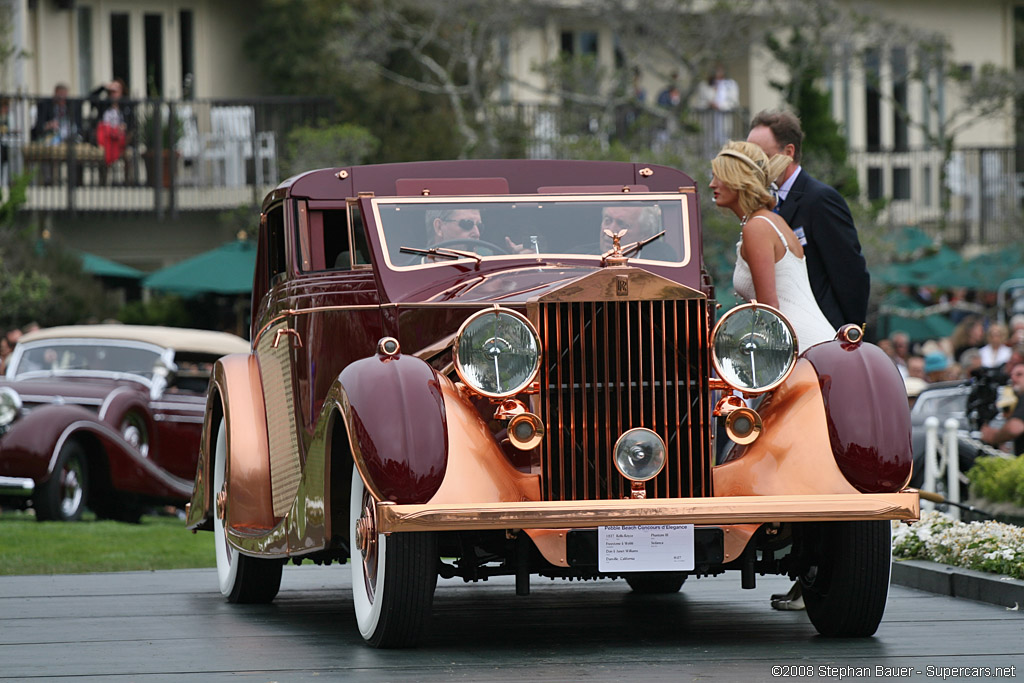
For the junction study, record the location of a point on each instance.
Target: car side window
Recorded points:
(277, 263)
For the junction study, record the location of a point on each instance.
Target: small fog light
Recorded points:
(743, 425)
(525, 431)
(639, 454)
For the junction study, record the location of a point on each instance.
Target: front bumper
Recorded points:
(904, 505)
(18, 487)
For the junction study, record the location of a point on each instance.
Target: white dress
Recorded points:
(796, 300)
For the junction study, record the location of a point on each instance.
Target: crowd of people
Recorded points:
(976, 342)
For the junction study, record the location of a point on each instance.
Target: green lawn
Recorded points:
(159, 542)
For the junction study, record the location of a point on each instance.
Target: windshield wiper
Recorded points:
(442, 251)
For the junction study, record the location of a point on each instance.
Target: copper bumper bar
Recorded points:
(584, 514)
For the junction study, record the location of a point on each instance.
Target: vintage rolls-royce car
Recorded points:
(104, 416)
(480, 368)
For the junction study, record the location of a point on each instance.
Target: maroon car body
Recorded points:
(104, 416)
(536, 395)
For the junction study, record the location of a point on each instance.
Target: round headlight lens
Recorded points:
(10, 406)
(640, 454)
(497, 352)
(753, 348)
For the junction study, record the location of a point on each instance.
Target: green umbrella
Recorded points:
(899, 311)
(909, 240)
(97, 265)
(944, 268)
(228, 269)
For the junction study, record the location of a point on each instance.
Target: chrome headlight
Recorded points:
(753, 348)
(10, 406)
(497, 352)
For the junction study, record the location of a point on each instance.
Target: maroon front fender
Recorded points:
(30, 450)
(867, 413)
(395, 413)
(30, 447)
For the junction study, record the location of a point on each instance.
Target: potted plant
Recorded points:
(153, 129)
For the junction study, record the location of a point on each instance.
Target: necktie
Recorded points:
(778, 205)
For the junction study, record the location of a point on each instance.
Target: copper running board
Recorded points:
(586, 514)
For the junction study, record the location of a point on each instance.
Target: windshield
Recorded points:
(429, 231)
(58, 357)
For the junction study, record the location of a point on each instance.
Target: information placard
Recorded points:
(654, 548)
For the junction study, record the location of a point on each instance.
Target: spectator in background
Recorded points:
(720, 95)
(995, 353)
(936, 367)
(970, 360)
(900, 350)
(57, 120)
(915, 367)
(968, 334)
(115, 126)
(670, 97)
(1013, 428)
(1016, 330)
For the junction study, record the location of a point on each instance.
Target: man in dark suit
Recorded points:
(821, 220)
(57, 117)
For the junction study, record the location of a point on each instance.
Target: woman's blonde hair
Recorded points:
(744, 168)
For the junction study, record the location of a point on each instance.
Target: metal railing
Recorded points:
(540, 131)
(973, 198)
(173, 155)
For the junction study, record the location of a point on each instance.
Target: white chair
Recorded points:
(190, 144)
(229, 145)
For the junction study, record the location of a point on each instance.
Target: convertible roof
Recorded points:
(180, 339)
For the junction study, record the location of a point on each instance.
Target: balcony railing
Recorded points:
(974, 198)
(176, 155)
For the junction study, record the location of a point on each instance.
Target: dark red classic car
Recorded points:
(481, 368)
(104, 416)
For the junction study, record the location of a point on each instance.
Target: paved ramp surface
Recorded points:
(172, 626)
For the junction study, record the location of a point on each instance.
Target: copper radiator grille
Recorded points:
(612, 366)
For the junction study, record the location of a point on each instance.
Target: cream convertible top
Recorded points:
(179, 339)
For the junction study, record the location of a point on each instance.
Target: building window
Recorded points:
(120, 49)
(876, 189)
(901, 182)
(900, 128)
(85, 75)
(579, 43)
(188, 54)
(873, 100)
(926, 185)
(153, 25)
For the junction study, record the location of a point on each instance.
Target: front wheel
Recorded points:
(62, 497)
(393, 577)
(242, 579)
(846, 580)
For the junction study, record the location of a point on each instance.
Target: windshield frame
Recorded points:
(163, 354)
(683, 199)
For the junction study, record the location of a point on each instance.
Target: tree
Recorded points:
(824, 151)
(310, 58)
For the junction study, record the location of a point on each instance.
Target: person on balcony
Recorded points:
(58, 122)
(115, 126)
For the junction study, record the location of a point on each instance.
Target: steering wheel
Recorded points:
(470, 242)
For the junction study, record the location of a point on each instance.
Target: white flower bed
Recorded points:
(985, 546)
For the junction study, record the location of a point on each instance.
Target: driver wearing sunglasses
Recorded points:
(454, 225)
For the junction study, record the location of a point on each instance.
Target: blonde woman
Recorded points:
(770, 265)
